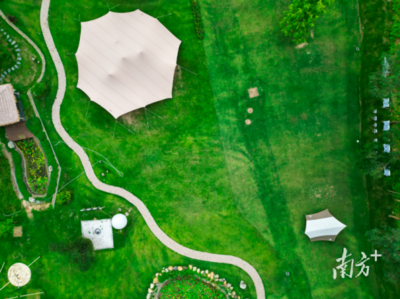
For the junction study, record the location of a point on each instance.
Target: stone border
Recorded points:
(148, 218)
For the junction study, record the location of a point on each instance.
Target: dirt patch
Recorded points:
(129, 118)
(250, 110)
(253, 92)
(17, 231)
(248, 121)
(301, 46)
(294, 120)
(178, 73)
(33, 206)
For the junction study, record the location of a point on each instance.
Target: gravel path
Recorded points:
(167, 241)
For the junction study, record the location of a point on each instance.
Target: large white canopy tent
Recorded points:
(126, 61)
(323, 226)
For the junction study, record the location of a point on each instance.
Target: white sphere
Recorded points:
(119, 221)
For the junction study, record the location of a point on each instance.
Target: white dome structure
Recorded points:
(119, 221)
(19, 274)
(126, 61)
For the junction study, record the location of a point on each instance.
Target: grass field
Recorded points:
(211, 182)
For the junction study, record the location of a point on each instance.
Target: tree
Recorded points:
(387, 240)
(6, 227)
(386, 83)
(301, 17)
(372, 160)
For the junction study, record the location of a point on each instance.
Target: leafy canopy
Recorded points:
(6, 227)
(301, 17)
(387, 240)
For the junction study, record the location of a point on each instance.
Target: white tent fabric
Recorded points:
(386, 148)
(323, 226)
(386, 125)
(126, 61)
(386, 103)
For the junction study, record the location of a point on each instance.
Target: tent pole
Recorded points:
(145, 110)
(115, 128)
(87, 110)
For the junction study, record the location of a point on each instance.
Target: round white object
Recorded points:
(19, 274)
(119, 221)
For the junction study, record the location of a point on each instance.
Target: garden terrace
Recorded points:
(36, 173)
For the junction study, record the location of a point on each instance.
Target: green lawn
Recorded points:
(211, 182)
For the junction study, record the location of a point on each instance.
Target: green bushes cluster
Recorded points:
(300, 19)
(198, 23)
(395, 30)
(6, 227)
(64, 197)
(36, 164)
(80, 251)
(41, 90)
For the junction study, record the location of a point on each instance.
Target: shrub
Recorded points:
(198, 24)
(64, 197)
(41, 90)
(12, 19)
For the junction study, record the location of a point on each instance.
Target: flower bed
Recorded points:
(182, 282)
(35, 165)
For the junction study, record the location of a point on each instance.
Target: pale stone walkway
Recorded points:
(167, 241)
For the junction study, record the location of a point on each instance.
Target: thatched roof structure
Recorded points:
(8, 108)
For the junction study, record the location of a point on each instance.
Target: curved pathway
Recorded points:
(156, 230)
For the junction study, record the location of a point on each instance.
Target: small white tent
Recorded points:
(323, 226)
(126, 61)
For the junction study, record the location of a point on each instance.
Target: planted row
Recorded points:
(198, 24)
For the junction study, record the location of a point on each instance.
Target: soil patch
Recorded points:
(253, 92)
(17, 232)
(33, 206)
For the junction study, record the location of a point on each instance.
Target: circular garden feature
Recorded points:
(181, 282)
(188, 287)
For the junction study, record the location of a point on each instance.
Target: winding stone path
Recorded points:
(167, 241)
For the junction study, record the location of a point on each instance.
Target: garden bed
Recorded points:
(190, 282)
(34, 165)
(187, 287)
